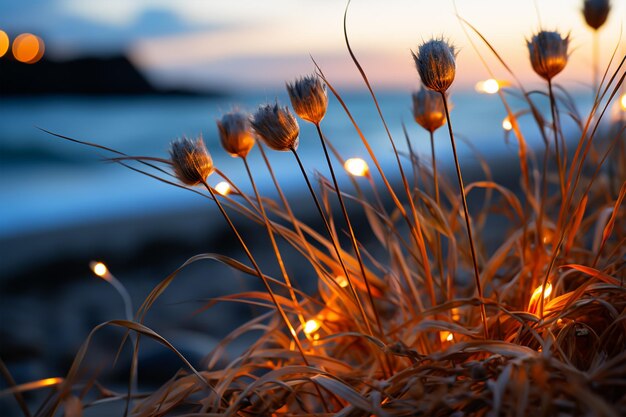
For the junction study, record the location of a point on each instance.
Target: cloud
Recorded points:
(66, 33)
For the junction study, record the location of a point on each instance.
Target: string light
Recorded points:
(506, 124)
(223, 188)
(356, 166)
(311, 326)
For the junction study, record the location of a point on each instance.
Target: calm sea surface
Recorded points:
(47, 182)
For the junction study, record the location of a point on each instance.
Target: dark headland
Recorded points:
(115, 75)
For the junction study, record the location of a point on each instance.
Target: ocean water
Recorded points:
(49, 183)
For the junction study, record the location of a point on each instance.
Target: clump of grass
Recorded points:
(542, 330)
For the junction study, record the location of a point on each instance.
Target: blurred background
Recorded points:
(135, 75)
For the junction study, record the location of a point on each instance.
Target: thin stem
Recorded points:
(259, 273)
(279, 258)
(321, 272)
(333, 241)
(355, 245)
(11, 383)
(445, 288)
(268, 288)
(483, 313)
(134, 338)
(419, 239)
(555, 128)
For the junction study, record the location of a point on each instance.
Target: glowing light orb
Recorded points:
(42, 383)
(28, 48)
(446, 336)
(489, 86)
(622, 101)
(506, 124)
(539, 290)
(357, 167)
(311, 326)
(4, 43)
(342, 281)
(223, 188)
(100, 269)
(50, 381)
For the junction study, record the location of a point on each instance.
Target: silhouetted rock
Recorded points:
(90, 76)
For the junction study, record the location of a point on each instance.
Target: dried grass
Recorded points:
(408, 340)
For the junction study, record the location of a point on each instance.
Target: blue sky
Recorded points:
(252, 43)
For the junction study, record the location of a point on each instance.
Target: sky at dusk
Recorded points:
(260, 44)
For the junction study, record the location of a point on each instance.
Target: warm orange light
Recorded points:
(4, 43)
(28, 48)
(547, 236)
(622, 102)
(50, 381)
(539, 290)
(456, 314)
(446, 336)
(356, 166)
(506, 124)
(311, 326)
(489, 86)
(223, 188)
(342, 281)
(42, 383)
(99, 269)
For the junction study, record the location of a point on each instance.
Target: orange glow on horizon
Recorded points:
(4, 43)
(28, 48)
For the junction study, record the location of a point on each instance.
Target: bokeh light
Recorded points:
(356, 166)
(537, 293)
(99, 269)
(311, 326)
(446, 336)
(623, 101)
(489, 86)
(4, 43)
(28, 48)
(223, 188)
(506, 124)
(342, 281)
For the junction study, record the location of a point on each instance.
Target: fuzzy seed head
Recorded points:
(435, 62)
(191, 160)
(277, 127)
(309, 98)
(236, 134)
(548, 53)
(596, 12)
(428, 109)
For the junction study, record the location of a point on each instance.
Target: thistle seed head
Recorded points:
(309, 98)
(236, 134)
(435, 62)
(428, 109)
(548, 53)
(277, 127)
(191, 160)
(596, 12)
